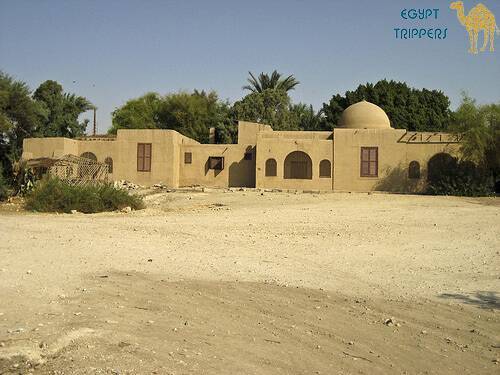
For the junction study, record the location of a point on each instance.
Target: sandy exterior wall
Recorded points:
(394, 156)
(277, 145)
(237, 171)
(51, 147)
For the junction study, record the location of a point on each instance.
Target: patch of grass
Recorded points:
(53, 195)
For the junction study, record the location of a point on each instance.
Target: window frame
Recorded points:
(188, 157)
(143, 161)
(368, 162)
(109, 163)
(267, 171)
(329, 175)
(414, 172)
(214, 161)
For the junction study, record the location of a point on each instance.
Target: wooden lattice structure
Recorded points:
(76, 170)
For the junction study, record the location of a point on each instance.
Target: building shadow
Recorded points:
(481, 299)
(396, 180)
(242, 172)
(207, 169)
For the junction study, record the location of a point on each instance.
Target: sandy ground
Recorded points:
(243, 283)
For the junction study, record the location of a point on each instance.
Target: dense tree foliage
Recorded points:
(308, 119)
(270, 106)
(478, 127)
(20, 117)
(273, 81)
(139, 113)
(408, 108)
(62, 111)
(48, 112)
(191, 114)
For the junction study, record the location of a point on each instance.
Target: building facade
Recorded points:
(364, 153)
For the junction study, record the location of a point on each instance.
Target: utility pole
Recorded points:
(95, 121)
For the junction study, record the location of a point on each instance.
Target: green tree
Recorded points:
(191, 114)
(308, 119)
(20, 117)
(407, 108)
(270, 106)
(478, 128)
(62, 109)
(140, 113)
(273, 81)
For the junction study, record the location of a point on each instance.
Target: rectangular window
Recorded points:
(248, 156)
(369, 162)
(144, 157)
(216, 163)
(188, 158)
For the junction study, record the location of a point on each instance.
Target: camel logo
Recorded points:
(479, 19)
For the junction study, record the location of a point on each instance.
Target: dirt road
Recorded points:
(244, 283)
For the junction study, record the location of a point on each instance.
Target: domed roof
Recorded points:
(364, 115)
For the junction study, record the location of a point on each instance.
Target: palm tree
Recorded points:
(275, 81)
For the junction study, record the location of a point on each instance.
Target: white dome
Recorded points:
(364, 115)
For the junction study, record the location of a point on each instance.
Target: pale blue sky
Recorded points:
(117, 50)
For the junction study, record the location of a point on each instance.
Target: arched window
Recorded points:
(271, 169)
(109, 162)
(414, 169)
(298, 165)
(89, 155)
(325, 168)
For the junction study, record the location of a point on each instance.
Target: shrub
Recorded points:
(449, 176)
(53, 195)
(3, 185)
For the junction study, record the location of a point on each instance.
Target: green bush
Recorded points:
(3, 185)
(449, 176)
(53, 195)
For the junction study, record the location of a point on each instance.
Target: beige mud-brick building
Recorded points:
(364, 153)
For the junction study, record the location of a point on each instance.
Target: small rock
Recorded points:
(423, 332)
(350, 343)
(28, 272)
(126, 209)
(74, 212)
(389, 322)
(111, 322)
(151, 321)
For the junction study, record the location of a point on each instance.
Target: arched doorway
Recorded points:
(440, 166)
(298, 165)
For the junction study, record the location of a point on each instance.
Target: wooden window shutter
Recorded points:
(144, 157)
(369, 162)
